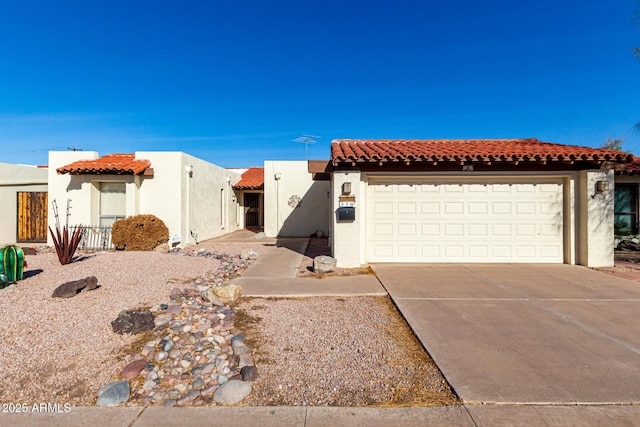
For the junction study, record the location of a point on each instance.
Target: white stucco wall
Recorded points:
(314, 211)
(211, 202)
(74, 187)
(595, 223)
(15, 178)
(348, 242)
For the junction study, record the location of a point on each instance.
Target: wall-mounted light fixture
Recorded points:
(602, 187)
(277, 176)
(346, 188)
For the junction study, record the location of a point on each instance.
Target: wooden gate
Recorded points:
(32, 216)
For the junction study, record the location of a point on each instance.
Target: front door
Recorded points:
(252, 209)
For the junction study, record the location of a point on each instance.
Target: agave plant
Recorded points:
(64, 240)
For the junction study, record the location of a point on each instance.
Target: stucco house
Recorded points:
(494, 201)
(194, 198)
(627, 194)
(23, 197)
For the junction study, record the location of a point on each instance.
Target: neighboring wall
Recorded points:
(15, 178)
(284, 183)
(188, 194)
(194, 196)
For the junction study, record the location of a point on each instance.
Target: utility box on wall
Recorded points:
(346, 214)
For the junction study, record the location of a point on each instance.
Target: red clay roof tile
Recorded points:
(252, 179)
(633, 168)
(116, 164)
(365, 150)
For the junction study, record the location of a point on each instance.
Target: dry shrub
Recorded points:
(139, 233)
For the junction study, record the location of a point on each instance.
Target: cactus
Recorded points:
(12, 264)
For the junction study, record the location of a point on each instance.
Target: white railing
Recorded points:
(95, 238)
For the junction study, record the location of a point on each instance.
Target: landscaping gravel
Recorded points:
(352, 351)
(64, 350)
(337, 351)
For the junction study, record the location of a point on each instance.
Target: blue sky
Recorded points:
(235, 82)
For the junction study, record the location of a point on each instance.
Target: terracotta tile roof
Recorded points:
(252, 179)
(116, 164)
(485, 150)
(633, 168)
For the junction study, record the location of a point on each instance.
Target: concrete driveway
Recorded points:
(524, 333)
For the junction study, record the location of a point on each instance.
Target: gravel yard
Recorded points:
(353, 351)
(64, 350)
(330, 351)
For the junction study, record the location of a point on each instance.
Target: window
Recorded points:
(113, 202)
(626, 209)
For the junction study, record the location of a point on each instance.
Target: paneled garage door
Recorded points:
(465, 221)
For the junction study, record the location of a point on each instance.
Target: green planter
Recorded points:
(11, 265)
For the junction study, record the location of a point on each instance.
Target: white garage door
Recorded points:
(464, 221)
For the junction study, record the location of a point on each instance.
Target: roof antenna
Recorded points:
(74, 148)
(306, 140)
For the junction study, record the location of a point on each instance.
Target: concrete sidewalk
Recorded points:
(277, 416)
(273, 274)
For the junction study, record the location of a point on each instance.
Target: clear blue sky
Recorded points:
(234, 82)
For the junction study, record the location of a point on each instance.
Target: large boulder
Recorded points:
(226, 293)
(114, 394)
(133, 322)
(71, 289)
(324, 264)
(249, 254)
(232, 392)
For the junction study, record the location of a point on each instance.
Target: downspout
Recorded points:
(277, 177)
(189, 171)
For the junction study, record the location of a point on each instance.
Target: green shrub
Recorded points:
(139, 233)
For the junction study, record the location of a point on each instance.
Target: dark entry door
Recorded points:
(252, 208)
(32, 216)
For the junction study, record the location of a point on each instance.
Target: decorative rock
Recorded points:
(241, 349)
(227, 293)
(260, 235)
(161, 321)
(113, 394)
(148, 385)
(245, 360)
(249, 373)
(324, 264)
(232, 392)
(161, 356)
(237, 337)
(73, 288)
(133, 369)
(248, 254)
(133, 322)
(198, 383)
